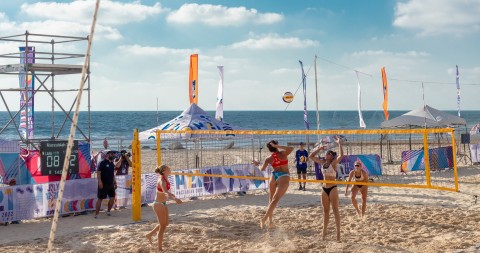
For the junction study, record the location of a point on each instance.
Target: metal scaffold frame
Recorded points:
(45, 66)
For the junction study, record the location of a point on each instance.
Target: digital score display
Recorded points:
(52, 155)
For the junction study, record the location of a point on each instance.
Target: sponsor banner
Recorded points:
(187, 186)
(372, 164)
(440, 158)
(25, 202)
(27, 83)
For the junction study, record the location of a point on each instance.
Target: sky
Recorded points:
(140, 52)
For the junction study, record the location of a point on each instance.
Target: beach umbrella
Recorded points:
(425, 116)
(193, 118)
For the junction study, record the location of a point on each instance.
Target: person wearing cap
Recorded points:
(122, 163)
(301, 158)
(106, 183)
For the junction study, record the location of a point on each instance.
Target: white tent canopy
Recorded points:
(193, 118)
(424, 117)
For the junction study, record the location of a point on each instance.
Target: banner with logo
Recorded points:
(25, 202)
(372, 164)
(193, 79)
(27, 55)
(196, 186)
(440, 158)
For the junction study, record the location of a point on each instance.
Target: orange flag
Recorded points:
(193, 79)
(385, 93)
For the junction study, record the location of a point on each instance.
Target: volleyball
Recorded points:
(287, 97)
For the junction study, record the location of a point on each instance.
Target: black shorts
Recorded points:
(107, 190)
(301, 170)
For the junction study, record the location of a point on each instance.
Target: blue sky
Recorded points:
(141, 51)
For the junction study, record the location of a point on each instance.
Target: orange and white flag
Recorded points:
(385, 93)
(193, 79)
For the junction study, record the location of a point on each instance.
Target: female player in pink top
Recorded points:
(160, 204)
(329, 191)
(280, 178)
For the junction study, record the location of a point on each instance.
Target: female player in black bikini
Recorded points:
(330, 191)
(359, 175)
(280, 178)
(160, 204)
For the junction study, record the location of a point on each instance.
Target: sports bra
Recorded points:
(159, 188)
(360, 178)
(277, 162)
(329, 171)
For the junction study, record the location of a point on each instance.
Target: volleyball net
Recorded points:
(412, 158)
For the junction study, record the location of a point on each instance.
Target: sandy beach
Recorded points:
(398, 220)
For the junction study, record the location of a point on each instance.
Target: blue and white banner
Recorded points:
(304, 82)
(458, 90)
(186, 186)
(219, 105)
(27, 84)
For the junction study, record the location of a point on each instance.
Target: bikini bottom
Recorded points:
(328, 190)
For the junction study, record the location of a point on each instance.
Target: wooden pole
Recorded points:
(66, 162)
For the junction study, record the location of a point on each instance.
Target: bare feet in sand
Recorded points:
(262, 223)
(271, 225)
(149, 238)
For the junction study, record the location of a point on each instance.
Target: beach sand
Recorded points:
(398, 220)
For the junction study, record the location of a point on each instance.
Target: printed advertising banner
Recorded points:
(25, 202)
(440, 158)
(27, 83)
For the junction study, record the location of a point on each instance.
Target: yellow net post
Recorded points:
(159, 150)
(426, 158)
(136, 178)
(454, 154)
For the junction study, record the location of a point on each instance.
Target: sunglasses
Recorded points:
(357, 165)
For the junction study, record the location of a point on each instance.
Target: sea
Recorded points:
(121, 124)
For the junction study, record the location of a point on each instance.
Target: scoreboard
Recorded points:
(52, 156)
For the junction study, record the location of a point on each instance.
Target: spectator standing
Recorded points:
(301, 158)
(106, 183)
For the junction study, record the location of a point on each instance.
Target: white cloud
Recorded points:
(218, 15)
(274, 41)
(283, 71)
(152, 51)
(412, 54)
(434, 17)
(110, 13)
(60, 28)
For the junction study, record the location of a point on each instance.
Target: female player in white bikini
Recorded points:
(160, 204)
(329, 191)
(280, 178)
(359, 175)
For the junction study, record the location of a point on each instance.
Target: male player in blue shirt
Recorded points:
(301, 158)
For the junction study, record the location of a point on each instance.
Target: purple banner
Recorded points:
(372, 164)
(304, 82)
(26, 80)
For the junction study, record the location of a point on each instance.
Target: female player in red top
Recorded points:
(280, 178)
(160, 204)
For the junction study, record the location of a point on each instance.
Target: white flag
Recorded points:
(219, 112)
(362, 123)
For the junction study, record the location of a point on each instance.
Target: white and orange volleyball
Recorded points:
(287, 97)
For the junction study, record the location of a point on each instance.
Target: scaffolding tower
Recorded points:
(41, 60)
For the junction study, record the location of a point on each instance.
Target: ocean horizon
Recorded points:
(120, 124)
